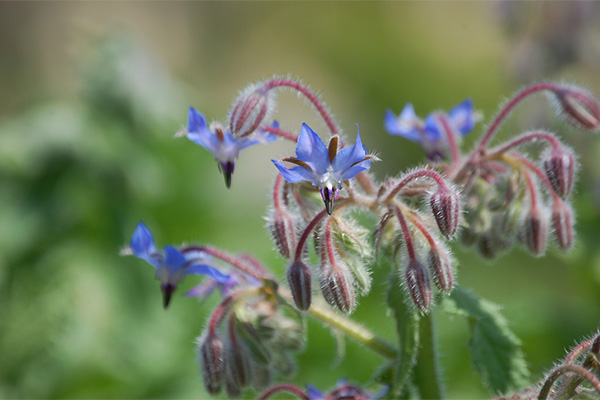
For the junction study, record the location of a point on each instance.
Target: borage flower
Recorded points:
(224, 146)
(324, 166)
(171, 265)
(461, 119)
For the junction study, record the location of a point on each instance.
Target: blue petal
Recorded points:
(313, 393)
(244, 142)
(203, 269)
(173, 259)
(461, 117)
(206, 139)
(355, 170)
(196, 121)
(295, 174)
(432, 129)
(311, 149)
(142, 244)
(268, 136)
(405, 125)
(349, 155)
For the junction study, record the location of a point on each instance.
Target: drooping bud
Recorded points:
(283, 231)
(212, 362)
(560, 170)
(445, 205)
(562, 223)
(237, 365)
(337, 289)
(535, 231)
(298, 276)
(579, 107)
(441, 268)
(418, 285)
(250, 109)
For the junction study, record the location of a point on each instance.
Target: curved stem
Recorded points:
(280, 132)
(257, 271)
(311, 225)
(450, 133)
(414, 175)
(284, 387)
(279, 82)
(562, 369)
(405, 231)
(510, 106)
(526, 137)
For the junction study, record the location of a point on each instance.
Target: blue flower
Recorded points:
(428, 133)
(171, 265)
(224, 146)
(343, 391)
(324, 166)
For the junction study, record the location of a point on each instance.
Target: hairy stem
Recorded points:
(427, 377)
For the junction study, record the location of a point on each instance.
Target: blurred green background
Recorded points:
(91, 94)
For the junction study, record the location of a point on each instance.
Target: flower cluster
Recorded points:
(492, 196)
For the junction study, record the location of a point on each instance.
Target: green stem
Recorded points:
(347, 326)
(427, 376)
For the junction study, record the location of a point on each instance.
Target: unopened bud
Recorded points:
(283, 231)
(232, 388)
(579, 107)
(560, 170)
(562, 223)
(441, 268)
(298, 276)
(212, 362)
(419, 287)
(237, 365)
(251, 108)
(337, 289)
(535, 232)
(445, 205)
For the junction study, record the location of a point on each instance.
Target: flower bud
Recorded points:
(298, 276)
(562, 223)
(445, 205)
(237, 365)
(337, 289)
(579, 107)
(251, 108)
(441, 268)
(281, 225)
(535, 232)
(419, 287)
(560, 170)
(212, 361)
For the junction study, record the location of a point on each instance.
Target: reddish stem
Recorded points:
(450, 133)
(311, 225)
(284, 387)
(280, 132)
(406, 233)
(230, 260)
(277, 82)
(527, 137)
(414, 175)
(276, 189)
(562, 369)
(220, 312)
(535, 169)
(532, 191)
(508, 107)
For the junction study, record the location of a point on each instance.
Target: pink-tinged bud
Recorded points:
(560, 170)
(251, 108)
(212, 362)
(535, 232)
(237, 364)
(596, 346)
(562, 223)
(441, 268)
(337, 289)
(445, 205)
(579, 107)
(418, 284)
(298, 276)
(283, 231)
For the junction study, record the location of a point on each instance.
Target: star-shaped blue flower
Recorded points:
(428, 133)
(171, 265)
(224, 146)
(324, 166)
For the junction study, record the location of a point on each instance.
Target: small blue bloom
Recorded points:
(324, 166)
(224, 146)
(171, 265)
(343, 391)
(428, 133)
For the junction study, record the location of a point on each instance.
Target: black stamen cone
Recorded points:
(167, 290)
(227, 169)
(328, 201)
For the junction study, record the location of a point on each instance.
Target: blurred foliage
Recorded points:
(91, 97)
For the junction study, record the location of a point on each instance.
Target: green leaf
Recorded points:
(407, 325)
(495, 350)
